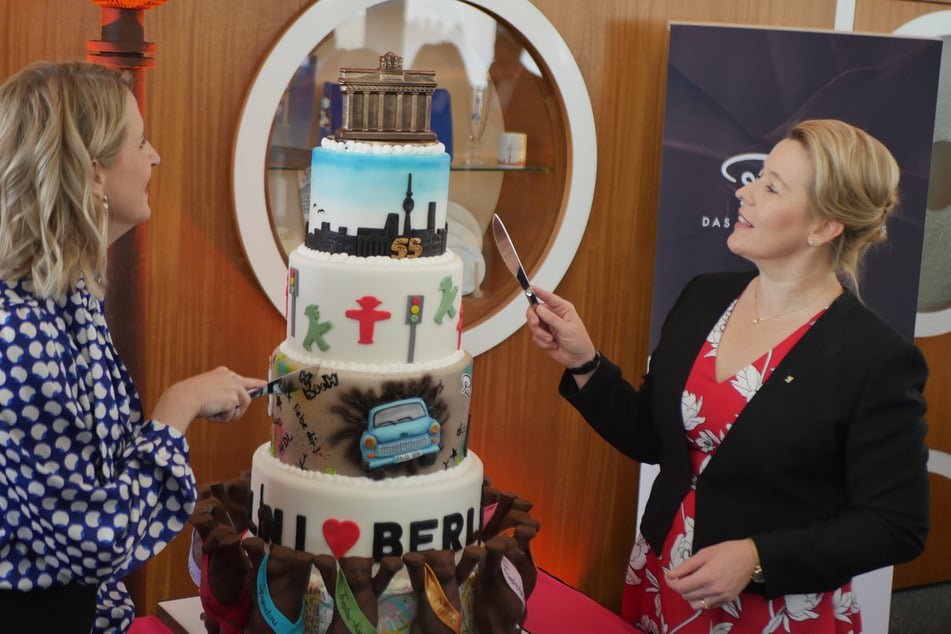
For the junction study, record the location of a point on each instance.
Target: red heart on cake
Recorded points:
(341, 536)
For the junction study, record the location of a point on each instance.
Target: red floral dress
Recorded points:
(709, 409)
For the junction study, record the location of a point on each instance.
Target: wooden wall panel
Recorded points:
(204, 307)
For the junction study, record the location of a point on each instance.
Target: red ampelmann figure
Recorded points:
(367, 316)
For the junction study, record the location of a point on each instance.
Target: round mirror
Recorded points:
(507, 84)
(934, 291)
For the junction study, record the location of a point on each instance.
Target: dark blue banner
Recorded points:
(734, 92)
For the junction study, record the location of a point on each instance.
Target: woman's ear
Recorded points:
(98, 180)
(826, 231)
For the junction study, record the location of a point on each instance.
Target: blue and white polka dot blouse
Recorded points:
(88, 489)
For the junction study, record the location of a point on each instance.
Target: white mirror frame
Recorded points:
(249, 167)
(938, 24)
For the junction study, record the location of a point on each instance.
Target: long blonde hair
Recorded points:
(856, 183)
(55, 120)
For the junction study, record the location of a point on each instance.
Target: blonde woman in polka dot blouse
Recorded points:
(90, 487)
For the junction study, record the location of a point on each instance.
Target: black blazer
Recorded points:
(826, 466)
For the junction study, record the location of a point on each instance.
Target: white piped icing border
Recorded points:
(313, 255)
(471, 461)
(395, 149)
(370, 368)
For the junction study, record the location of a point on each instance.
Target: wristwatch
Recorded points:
(757, 576)
(584, 368)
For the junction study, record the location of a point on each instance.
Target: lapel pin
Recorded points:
(790, 378)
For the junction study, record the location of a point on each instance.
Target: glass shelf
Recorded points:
(495, 167)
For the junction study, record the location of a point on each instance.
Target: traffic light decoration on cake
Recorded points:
(414, 315)
(293, 290)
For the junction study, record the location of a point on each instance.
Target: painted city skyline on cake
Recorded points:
(389, 207)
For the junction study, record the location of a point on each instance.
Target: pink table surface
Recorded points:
(557, 608)
(149, 625)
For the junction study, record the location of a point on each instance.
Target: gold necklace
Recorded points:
(758, 319)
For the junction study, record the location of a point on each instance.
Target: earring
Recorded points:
(105, 202)
(812, 242)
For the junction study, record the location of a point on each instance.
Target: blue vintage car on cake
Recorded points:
(397, 432)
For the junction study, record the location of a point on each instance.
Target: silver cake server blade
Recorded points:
(510, 257)
(292, 382)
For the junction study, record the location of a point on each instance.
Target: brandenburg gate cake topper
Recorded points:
(386, 103)
(386, 107)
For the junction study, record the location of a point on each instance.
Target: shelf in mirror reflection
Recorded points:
(493, 166)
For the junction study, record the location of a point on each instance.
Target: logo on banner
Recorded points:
(741, 169)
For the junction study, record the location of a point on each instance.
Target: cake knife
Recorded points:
(291, 382)
(510, 257)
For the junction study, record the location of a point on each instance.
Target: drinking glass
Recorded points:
(479, 113)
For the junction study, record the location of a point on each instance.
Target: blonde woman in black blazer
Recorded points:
(822, 473)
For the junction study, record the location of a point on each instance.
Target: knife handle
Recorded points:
(271, 387)
(258, 391)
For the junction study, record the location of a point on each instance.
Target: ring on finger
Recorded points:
(703, 602)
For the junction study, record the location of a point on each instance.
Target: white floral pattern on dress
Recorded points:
(846, 605)
(637, 562)
(750, 379)
(683, 544)
(713, 338)
(690, 410)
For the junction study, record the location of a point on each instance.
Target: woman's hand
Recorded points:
(557, 329)
(219, 395)
(714, 576)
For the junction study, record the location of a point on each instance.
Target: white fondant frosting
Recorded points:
(377, 310)
(395, 515)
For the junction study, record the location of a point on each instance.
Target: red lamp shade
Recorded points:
(129, 4)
